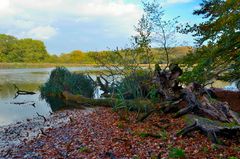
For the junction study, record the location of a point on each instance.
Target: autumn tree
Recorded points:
(218, 38)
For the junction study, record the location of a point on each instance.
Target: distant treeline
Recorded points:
(34, 51)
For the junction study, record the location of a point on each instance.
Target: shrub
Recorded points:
(134, 85)
(63, 80)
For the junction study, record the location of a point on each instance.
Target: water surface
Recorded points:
(11, 107)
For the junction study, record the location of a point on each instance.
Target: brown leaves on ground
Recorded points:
(103, 133)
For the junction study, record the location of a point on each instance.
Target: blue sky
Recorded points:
(66, 25)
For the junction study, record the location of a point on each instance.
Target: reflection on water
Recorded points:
(7, 90)
(29, 80)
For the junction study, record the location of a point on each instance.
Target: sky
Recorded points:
(87, 25)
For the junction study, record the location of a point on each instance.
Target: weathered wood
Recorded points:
(210, 128)
(167, 83)
(200, 103)
(103, 86)
(78, 101)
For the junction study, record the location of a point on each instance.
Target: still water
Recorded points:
(26, 79)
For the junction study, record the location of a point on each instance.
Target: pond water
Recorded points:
(12, 109)
(30, 80)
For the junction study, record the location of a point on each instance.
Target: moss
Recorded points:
(190, 119)
(84, 149)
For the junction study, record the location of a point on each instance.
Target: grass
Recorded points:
(176, 153)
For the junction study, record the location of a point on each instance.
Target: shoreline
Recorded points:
(15, 134)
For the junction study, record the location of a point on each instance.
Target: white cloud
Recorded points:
(25, 15)
(4, 4)
(41, 32)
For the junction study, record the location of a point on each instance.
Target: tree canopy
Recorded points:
(21, 50)
(218, 38)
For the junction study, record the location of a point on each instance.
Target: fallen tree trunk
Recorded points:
(78, 101)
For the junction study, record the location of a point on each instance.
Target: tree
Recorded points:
(6, 42)
(162, 30)
(218, 40)
(27, 50)
(143, 40)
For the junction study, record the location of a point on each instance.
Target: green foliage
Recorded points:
(218, 55)
(26, 50)
(176, 153)
(62, 80)
(6, 42)
(134, 85)
(163, 134)
(23, 50)
(34, 51)
(163, 30)
(232, 157)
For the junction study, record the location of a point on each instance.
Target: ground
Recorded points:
(104, 133)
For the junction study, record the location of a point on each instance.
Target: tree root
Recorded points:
(210, 128)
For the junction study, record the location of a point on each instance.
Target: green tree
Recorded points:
(6, 42)
(143, 40)
(218, 39)
(163, 31)
(27, 50)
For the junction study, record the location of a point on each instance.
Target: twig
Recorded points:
(22, 92)
(7, 153)
(42, 132)
(42, 117)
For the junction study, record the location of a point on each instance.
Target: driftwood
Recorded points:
(199, 102)
(103, 86)
(25, 103)
(167, 83)
(22, 92)
(41, 117)
(210, 128)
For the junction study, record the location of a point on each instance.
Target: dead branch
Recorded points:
(22, 92)
(42, 117)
